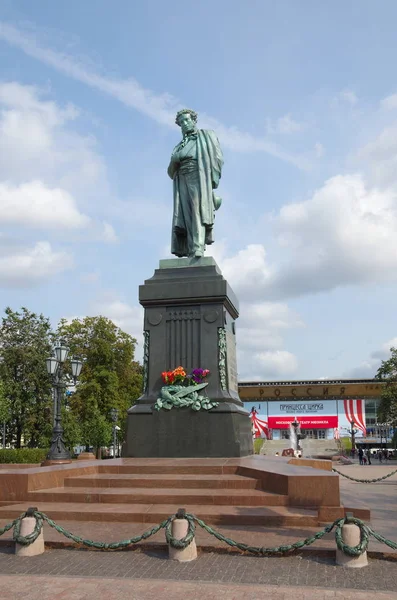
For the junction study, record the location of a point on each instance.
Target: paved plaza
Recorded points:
(143, 575)
(80, 574)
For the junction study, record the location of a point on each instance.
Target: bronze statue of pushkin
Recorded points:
(195, 168)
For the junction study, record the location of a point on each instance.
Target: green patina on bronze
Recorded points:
(195, 168)
(146, 342)
(182, 396)
(222, 357)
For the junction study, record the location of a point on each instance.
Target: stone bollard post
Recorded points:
(27, 526)
(351, 537)
(179, 530)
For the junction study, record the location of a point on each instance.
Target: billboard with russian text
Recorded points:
(321, 414)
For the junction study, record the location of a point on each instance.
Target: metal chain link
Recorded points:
(30, 537)
(184, 542)
(12, 524)
(261, 549)
(180, 544)
(365, 480)
(104, 545)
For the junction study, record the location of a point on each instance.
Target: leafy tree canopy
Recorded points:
(5, 412)
(387, 373)
(110, 377)
(25, 342)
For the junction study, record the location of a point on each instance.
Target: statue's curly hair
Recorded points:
(191, 112)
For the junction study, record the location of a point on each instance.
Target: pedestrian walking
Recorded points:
(360, 455)
(368, 456)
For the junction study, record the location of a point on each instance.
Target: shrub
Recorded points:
(22, 455)
(258, 443)
(347, 444)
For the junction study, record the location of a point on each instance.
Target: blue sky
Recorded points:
(304, 101)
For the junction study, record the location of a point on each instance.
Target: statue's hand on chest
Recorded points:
(175, 156)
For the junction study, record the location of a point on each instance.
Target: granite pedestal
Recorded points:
(190, 314)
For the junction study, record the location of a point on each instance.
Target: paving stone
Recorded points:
(380, 575)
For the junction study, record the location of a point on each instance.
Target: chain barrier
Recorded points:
(365, 480)
(98, 545)
(365, 533)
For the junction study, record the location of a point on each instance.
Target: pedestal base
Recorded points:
(190, 314)
(86, 456)
(48, 462)
(184, 433)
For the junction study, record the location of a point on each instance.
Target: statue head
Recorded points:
(186, 119)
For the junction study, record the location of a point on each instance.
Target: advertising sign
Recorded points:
(305, 422)
(320, 414)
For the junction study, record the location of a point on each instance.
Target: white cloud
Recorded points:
(260, 341)
(349, 96)
(277, 364)
(37, 143)
(247, 271)
(379, 157)
(369, 367)
(159, 107)
(343, 235)
(33, 204)
(28, 267)
(25, 99)
(389, 103)
(90, 278)
(109, 234)
(284, 125)
(319, 149)
(47, 169)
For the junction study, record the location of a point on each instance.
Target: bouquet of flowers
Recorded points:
(181, 390)
(179, 377)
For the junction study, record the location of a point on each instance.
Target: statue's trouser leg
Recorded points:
(208, 235)
(189, 193)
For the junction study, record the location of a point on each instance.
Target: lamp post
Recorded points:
(383, 431)
(353, 432)
(60, 380)
(4, 422)
(114, 413)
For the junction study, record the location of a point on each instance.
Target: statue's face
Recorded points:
(186, 123)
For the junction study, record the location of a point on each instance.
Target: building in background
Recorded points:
(325, 409)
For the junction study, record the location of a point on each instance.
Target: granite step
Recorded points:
(95, 495)
(168, 480)
(172, 468)
(156, 513)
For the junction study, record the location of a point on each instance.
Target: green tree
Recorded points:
(110, 377)
(72, 433)
(5, 413)
(97, 431)
(5, 406)
(387, 373)
(25, 342)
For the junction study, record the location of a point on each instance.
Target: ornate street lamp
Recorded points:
(114, 414)
(60, 381)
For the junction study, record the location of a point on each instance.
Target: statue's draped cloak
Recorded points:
(209, 163)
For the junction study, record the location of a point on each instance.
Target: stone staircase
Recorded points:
(311, 448)
(149, 493)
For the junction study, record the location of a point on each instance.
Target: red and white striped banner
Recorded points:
(355, 411)
(259, 427)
